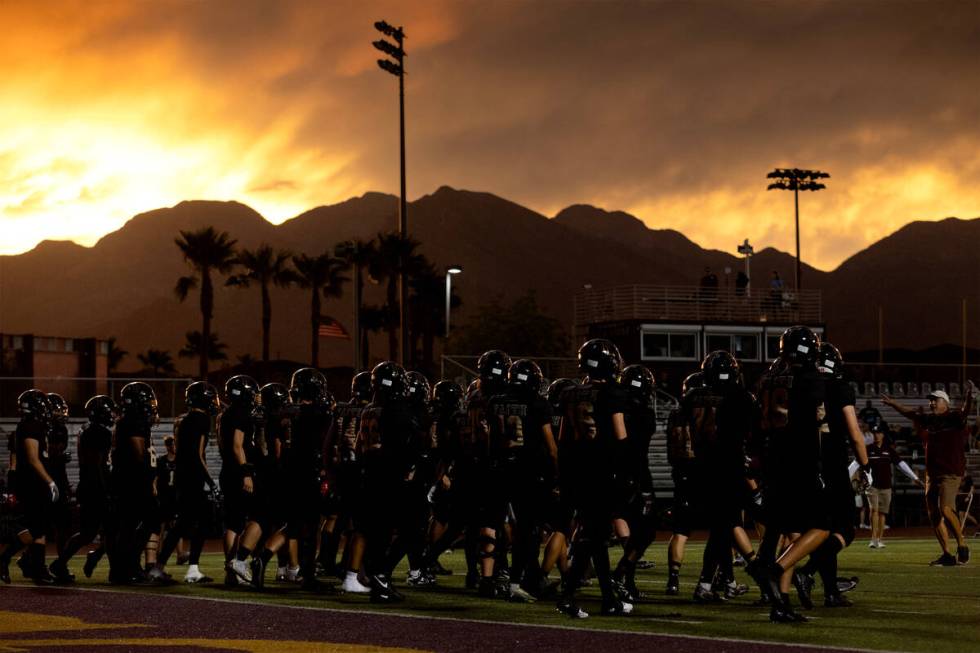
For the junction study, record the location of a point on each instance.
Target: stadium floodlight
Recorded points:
(450, 271)
(796, 179)
(746, 250)
(396, 51)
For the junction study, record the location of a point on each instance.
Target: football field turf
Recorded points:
(901, 604)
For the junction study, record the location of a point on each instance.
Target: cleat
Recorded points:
(487, 588)
(645, 564)
(738, 561)
(734, 590)
(881, 545)
(673, 585)
(547, 587)
(293, 575)
(382, 591)
(257, 569)
(25, 569)
(836, 601)
(417, 578)
(59, 570)
(516, 594)
(568, 608)
(353, 585)
(804, 588)
(472, 580)
(963, 554)
(945, 560)
(845, 585)
(158, 575)
(43, 577)
(616, 608)
(705, 595)
(195, 577)
(91, 561)
(784, 614)
(241, 570)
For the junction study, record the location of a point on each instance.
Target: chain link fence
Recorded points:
(78, 390)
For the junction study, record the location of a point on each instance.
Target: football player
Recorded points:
(132, 482)
(36, 489)
(839, 430)
(638, 499)
(94, 444)
(680, 456)
(793, 400)
(57, 464)
(594, 426)
(240, 456)
(191, 433)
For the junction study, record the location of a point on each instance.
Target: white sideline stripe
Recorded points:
(903, 611)
(494, 622)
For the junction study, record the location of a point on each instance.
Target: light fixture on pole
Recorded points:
(796, 180)
(396, 51)
(450, 271)
(746, 250)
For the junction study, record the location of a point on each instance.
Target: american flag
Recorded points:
(331, 328)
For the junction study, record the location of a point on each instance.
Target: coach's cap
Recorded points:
(940, 394)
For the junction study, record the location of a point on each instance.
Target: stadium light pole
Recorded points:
(795, 179)
(396, 51)
(450, 271)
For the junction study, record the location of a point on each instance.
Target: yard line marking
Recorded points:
(903, 611)
(404, 615)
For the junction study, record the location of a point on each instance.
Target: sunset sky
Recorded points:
(671, 111)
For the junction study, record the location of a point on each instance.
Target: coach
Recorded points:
(944, 433)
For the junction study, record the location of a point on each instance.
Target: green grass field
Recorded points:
(901, 604)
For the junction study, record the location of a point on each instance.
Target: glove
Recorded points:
(431, 496)
(864, 478)
(757, 498)
(54, 492)
(647, 498)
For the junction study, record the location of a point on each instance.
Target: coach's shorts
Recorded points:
(941, 492)
(881, 500)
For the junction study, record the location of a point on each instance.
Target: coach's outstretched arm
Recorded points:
(904, 411)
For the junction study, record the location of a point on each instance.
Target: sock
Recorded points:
(748, 557)
(193, 570)
(243, 553)
(266, 556)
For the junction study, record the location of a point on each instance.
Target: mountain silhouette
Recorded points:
(123, 285)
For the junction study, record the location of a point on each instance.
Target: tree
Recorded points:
(373, 319)
(157, 362)
(115, 354)
(264, 266)
(427, 302)
(195, 346)
(358, 255)
(394, 254)
(319, 274)
(519, 328)
(206, 251)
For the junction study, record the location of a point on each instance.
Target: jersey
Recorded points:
(835, 435)
(307, 433)
(641, 424)
(30, 429)
(793, 410)
(517, 421)
(588, 410)
(94, 444)
(191, 430)
(392, 429)
(348, 421)
(237, 418)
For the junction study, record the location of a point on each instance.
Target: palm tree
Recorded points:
(428, 312)
(264, 266)
(194, 345)
(319, 274)
(373, 319)
(206, 251)
(358, 255)
(114, 354)
(394, 255)
(157, 362)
